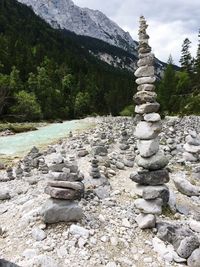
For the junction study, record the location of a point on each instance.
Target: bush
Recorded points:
(128, 111)
(26, 106)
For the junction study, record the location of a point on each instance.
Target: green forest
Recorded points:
(47, 75)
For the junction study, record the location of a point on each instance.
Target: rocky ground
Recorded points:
(108, 234)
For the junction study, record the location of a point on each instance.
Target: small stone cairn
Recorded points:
(151, 174)
(192, 147)
(95, 173)
(65, 188)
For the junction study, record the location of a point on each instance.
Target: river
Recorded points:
(19, 144)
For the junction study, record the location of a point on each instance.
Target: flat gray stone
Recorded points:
(144, 71)
(194, 259)
(158, 177)
(192, 148)
(148, 60)
(146, 87)
(142, 97)
(4, 194)
(185, 187)
(153, 192)
(144, 80)
(38, 234)
(148, 148)
(55, 211)
(156, 162)
(149, 206)
(147, 130)
(187, 246)
(152, 117)
(64, 193)
(147, 108)
(146, 221)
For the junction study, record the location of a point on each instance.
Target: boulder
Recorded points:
(148, 148)
(156, 162)
(147, 108)
(194, 259)
(187, 246)
(149, 206)
(55, 211)
(145, 221)
(158, 177)
(147, 130)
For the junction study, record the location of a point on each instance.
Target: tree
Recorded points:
(186, 58)
(197, 67)
(4, 91)
(82, 104)
(26, 106)
(167, 87)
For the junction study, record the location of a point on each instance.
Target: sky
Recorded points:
(170, 22)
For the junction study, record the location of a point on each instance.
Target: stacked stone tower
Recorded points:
(151, 174)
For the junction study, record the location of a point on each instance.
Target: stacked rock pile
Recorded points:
(151, 175)
(192, 147)
(65, 187)
(9, 172)
(95, 173)
(124, 140)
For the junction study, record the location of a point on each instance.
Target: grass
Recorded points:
(20, 127)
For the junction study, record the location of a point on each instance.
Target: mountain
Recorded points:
(94, 30)
(56, 69)
(64, 14)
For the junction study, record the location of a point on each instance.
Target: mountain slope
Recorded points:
(83, 21)
(71, 76)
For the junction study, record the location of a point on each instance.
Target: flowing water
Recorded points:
(19, 144)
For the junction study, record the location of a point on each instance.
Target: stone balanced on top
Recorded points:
(151, 174)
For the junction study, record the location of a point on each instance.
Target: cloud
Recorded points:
(170, 21)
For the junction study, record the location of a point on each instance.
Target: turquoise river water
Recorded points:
(16, 145)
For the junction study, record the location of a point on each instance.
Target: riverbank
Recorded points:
(109, 213)
(7, 129)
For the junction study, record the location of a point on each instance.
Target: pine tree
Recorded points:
(186, 58)
(197, 66)
(167, 87)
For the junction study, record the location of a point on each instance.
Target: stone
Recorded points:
(149, 206)
(142, 97)
(83, 153)
(146, 87)
(38, 234)
(147, 108)
(120, 165)
(145, 221)
(148, 148)
(67, 184)
(152, 117)
(153, 192)
(147, 130)
(185, 187)
(144, 71)
(195, 225)
(194, 259)
(146, 61)
(189, 157)
(158, 177)
(173, 233)
(192, 141)
(145, 80)
(99, 150)
(192, 148)
(79, 231)
(102, 192)
(4, 194)
(55, 211)
(187, 246)
(64, 193)
(4, 263)
(156, 162)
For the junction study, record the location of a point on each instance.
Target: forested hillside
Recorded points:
(45, 74)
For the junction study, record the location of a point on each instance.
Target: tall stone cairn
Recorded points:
(151, 175)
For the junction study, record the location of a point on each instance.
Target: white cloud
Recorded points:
(170, 21)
